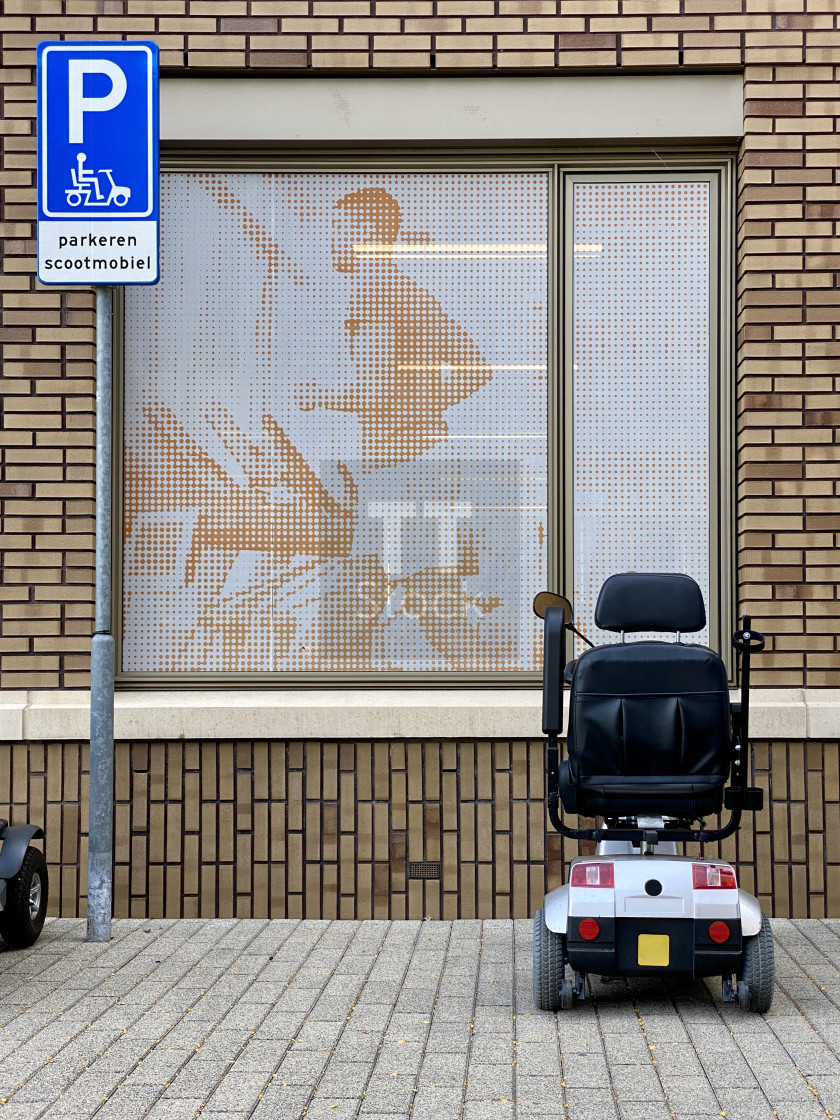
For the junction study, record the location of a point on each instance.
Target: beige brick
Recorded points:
(434, 26)
(660, 57)
(650, 42)
(565, 24)
(339, 60)
(494, 26)
(464, 42)
(220, 43)
(206, 59)
(586, 58)
(525, 42)
(370, 26)
(401, 7)
(653, 8)
(531, 58)
(466, 8)
(458, 60)
(402, 43)
(401, 58)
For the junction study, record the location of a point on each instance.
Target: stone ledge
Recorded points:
(352, 714)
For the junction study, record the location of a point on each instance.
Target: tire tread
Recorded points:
(17, 928)
(548, 965)
(759, 967)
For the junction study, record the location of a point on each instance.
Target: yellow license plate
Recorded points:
(654, 949)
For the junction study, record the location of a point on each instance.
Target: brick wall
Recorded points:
(787, 265)
(275, 829)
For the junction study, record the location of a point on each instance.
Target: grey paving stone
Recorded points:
(636, 1083)
(437, 1104)
(489, 1110)
(345, 1079)
(31, 1111)
(331, 1108)
(160, 1067)
(260, 1054)
(388, 1094)
(583, 1070)
(489, 1082)
(444, 1070)
(536, 1095)
(124, 1104)
(686, 1093)
(197, 1079)
(534, 1058)
(302, 1067)
(317, 1035)
(183, 1109)
(282, 1102)
(496, 1048)
(632, 1110)
(590, 1104)
(362, 1046)
(238, 1091)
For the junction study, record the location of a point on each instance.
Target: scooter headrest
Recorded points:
(650, 601)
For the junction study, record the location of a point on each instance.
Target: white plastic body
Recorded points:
(678, 898)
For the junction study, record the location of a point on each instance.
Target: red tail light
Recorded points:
(593, 875)
(713, 876)
(589, 929)
(719, 932)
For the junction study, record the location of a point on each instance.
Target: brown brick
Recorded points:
(772, 108)
(244, 25)
(279, 59)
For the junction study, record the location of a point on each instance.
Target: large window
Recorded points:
(363, 410)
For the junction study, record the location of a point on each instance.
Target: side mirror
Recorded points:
(546, 599)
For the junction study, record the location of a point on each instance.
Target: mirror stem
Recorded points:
(575, 630)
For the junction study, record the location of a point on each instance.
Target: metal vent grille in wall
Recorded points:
(424, 871)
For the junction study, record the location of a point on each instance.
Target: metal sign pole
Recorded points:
(101, 829)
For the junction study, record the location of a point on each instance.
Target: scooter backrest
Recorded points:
(647, 709)
(636, 601)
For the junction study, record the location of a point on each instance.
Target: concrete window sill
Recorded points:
(349, 714)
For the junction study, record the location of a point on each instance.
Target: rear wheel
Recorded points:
(548, 965)
(758, 969)
(22, 918)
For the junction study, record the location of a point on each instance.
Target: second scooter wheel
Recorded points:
(548, 965)
(22, 918)
(758, 969)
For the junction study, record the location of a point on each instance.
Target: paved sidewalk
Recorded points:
(433, 1020)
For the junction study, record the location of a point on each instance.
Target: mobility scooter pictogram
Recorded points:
(87, 190)
(653, 747)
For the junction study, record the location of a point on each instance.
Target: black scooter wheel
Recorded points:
(548, 965)
(758, 968)
(22, 918)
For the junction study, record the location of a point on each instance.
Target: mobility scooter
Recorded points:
(652, 743)
(23, 885)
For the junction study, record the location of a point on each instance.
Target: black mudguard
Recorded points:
(14, 844)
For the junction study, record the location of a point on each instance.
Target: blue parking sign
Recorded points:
(98, 161)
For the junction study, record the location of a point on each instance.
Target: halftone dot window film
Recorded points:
(641, 384)
(335, 425)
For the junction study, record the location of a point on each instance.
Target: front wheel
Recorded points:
(758, 968)
(548, 965)
(22, 918)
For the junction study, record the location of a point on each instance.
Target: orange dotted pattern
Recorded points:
(335, 425)
(641, 385)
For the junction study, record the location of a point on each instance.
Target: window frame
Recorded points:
(562, 167)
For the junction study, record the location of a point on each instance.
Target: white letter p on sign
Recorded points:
(79, 104)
